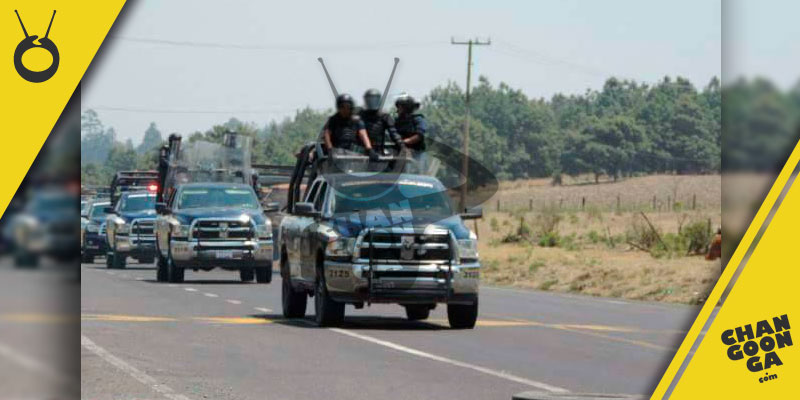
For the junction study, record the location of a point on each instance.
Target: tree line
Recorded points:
(626, 128)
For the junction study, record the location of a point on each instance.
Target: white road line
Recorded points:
(484, 370)
(210, 295)
(234, 301)
(132, 371)
(139, 278)
(189, 289)
(263, 309)
(111, 273)
(172, 285)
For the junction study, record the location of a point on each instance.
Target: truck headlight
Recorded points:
(468, 248)
(123, 228)
(93, 228)
(264, 231)
(340, 248)
(180, 231)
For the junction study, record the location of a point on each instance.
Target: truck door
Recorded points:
(307, 232)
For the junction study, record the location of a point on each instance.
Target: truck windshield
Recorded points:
(99, 210)
(402, 195)
(218, 197)
(138, 202)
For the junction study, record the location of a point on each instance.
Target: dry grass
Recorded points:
(592, 257)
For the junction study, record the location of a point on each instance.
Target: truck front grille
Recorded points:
(406, 247)
(223, 230)
(143, 227)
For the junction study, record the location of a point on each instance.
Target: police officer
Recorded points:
(410, 125)
(345, 130)
(378, 123)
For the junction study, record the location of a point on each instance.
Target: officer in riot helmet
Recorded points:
(410, 124)
(377, 122)
(345, 130)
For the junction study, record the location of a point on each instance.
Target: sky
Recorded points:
(189, 64)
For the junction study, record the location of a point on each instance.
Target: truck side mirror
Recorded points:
(272, 206)
(109, 210)
(305, 209)
(472, 213)
(162, 209)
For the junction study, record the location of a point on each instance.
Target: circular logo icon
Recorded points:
(29, 43)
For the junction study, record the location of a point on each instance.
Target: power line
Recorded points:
(294, 48)
(176, 111)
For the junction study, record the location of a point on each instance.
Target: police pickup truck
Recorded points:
(129, 229)
(202, 226)
(357, 238)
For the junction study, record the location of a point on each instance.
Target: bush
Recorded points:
(697, 235)
(494, 225)
(641, 235)
(520, 234)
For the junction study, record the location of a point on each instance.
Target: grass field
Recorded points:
(636, 238)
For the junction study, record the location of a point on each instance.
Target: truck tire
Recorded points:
(174, 273)
(246, 274)
(87, 259)
(294, 302)
(328, 312)
(462, 316)
(117, 260)
(417, 312)
(161, 270)
(23, 259)
(264, 275)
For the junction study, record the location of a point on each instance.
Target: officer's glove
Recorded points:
(373, 155)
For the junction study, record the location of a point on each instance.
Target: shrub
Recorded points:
(494, 225)
(697, 235)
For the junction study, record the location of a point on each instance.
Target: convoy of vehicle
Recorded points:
(351, 230)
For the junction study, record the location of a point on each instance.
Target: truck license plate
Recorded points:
(224, 254)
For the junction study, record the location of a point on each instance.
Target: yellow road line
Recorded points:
(124, 318)
(234, 320)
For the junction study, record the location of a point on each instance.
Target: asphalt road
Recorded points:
(214, 337)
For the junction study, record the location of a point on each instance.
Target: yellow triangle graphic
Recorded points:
(767, 288)
(30, 110)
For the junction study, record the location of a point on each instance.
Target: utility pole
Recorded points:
(465, 148)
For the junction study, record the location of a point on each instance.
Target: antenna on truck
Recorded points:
(327, 75)
(388, 84)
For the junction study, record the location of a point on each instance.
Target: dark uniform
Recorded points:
(408, 125)
(378, 124)
(344, 131)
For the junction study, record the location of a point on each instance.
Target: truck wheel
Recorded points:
(175, 274)
(161, 270)
(246, 274)
(118, 260)
(23, 259)
(294, 302)
(328, 312)
(87, 259)
(264, 275)
(462, 316)
(417, 312)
